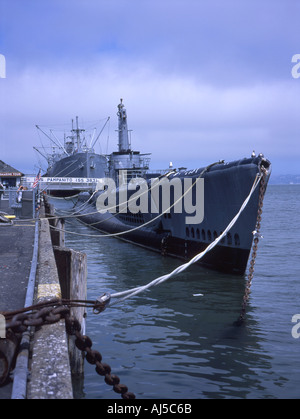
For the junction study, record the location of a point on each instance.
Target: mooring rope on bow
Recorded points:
(121, 296)
(130, 293)
(52, 311)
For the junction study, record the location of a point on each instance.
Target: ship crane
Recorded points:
(59, 144)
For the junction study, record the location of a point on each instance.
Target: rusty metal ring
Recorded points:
(42, 313)
(52, 318)
(72, 325)
(62, 310)
(102, 368)
(34, 322)
(83, 342)
(120, 388)
(112, 379)
(128, 395)
(93, 356)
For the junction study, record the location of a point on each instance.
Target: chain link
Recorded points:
(257, 236)
(52, 312)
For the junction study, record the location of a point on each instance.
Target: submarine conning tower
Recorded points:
(126, 159)
(124, 144)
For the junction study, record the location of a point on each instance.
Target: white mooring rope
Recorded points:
(130, 293)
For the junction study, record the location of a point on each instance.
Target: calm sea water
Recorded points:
(168, 344)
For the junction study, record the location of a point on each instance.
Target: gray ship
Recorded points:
(74, 157)
(159, 211)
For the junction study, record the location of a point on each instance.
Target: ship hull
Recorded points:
(226, 186)
(78, 165)
(82, 165)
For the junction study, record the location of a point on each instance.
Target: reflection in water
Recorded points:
(167, 343)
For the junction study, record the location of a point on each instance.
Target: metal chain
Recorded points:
(93, 357)
(52, 312)
(257, 236)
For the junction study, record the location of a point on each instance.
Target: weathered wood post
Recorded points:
(72, 270)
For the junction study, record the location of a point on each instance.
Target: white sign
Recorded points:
(69, 180)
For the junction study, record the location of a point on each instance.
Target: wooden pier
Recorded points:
(36, 267)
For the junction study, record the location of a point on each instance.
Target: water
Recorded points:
(168, 344)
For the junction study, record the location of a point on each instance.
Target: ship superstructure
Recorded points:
(125, 160)
(75, 156)
(177, 212)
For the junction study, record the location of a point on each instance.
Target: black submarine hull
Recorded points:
(226, 186)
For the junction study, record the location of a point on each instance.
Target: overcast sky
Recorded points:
(202, 80)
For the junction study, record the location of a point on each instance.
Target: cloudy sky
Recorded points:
(202, 80)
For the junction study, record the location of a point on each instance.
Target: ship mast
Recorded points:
(77, 132)
(124, 144)
(130, 163)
